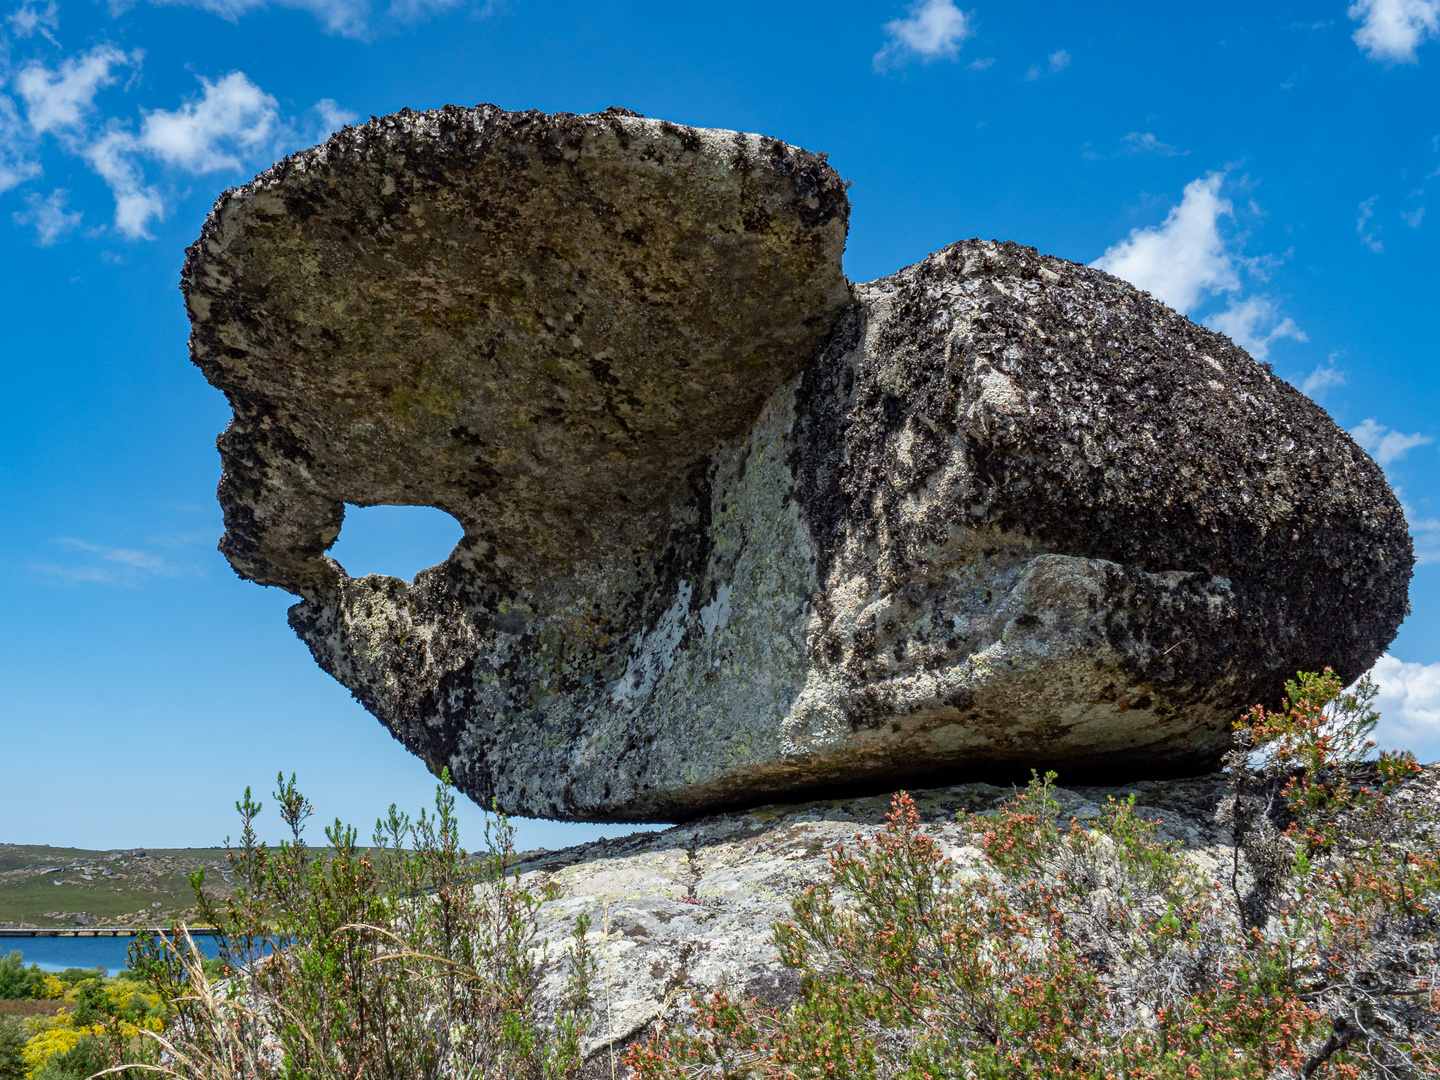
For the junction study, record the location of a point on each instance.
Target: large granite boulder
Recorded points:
(734, 528)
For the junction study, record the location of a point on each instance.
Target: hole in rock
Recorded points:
(396, 540)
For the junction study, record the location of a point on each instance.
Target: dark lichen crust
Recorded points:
(734, 528)
(538, 323)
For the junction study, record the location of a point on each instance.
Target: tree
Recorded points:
(16, 980)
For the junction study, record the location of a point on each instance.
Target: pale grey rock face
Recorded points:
(735, 529)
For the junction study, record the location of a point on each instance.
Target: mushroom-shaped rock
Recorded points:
(733, 529)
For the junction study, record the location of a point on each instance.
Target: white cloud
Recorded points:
(1033, 73)
(233, 116)
(982, 64)
(16, 164)
(1391, 30)
(28, 20)
(112, 155)
(49, 215)
(1369, 234)
(1322, 378)
(61, 99)
(331, 117)
(348, 18)
(230, 121)
(1413, 217)
(1385, 445)
(1409, 706)
(139, 560)
(1059, 60)
(1146, 143)
(1185, 259)
(933, 30)
(410, 11)
(100, 564)
(1253, 323)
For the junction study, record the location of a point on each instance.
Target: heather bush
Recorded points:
(1104, 952)
(1051, 948)
(405, 960)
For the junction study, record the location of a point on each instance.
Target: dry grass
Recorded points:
(29, 1008)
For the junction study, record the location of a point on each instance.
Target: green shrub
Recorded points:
(403, 961)
(87, 1057)
(16, 980)
(1104, 953)
(74, 976)
(1086, 952)
(12, 1049)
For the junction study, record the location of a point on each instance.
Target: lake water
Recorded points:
(59, 953)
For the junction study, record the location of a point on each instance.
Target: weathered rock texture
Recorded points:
(734, 528)
(679, 914)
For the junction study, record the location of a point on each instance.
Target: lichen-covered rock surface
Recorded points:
(735, 529)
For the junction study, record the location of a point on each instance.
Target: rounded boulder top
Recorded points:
(538, 323)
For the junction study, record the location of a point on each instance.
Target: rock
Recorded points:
(540, 324)
(679, 914)
(676, 915)
(735, 530)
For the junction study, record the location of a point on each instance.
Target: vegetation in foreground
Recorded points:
(79, 1016)
(1103, 953)
(1064, 950)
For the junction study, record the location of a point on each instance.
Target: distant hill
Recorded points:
(55, 886)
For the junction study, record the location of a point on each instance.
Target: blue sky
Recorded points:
(1271, 169)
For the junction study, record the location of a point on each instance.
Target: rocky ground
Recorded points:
(690, 909)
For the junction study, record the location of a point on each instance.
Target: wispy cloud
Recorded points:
(1322, 379)
(1057, 61)
(17, 162)
(1426, 534)
(62, 98)
(228, 124)
(30, 19)
(1384, 444)
(104, 565)
(1254, 324)
(331, 117)
(1138, 142)
(112, 156)
(931, 30)
(1369, 234)
(347, 18)
(1391, 30)
(49, 215)
(232, 118)
(1187, 260)
(1413, 218)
